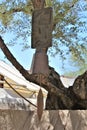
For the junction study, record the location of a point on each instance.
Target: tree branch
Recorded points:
(13, 60)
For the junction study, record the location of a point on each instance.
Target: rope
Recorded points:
(19, 93)
(40, 79)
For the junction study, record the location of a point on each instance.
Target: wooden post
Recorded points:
(38, 4)
(1, 81)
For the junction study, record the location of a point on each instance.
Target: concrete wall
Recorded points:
(51, 120)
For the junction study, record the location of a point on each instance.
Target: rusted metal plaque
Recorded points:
(42, 28)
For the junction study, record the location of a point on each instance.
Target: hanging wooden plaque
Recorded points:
(42, 28)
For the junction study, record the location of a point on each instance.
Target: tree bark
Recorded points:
(59, 97)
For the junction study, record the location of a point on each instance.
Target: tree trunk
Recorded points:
(59, 97)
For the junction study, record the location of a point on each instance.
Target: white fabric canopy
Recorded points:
(67, 81)
(12, 73)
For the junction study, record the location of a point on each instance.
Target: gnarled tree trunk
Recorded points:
(59, 97)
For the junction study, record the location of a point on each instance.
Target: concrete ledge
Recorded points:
(51, 120)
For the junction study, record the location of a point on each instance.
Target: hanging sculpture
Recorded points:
(42, 21)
